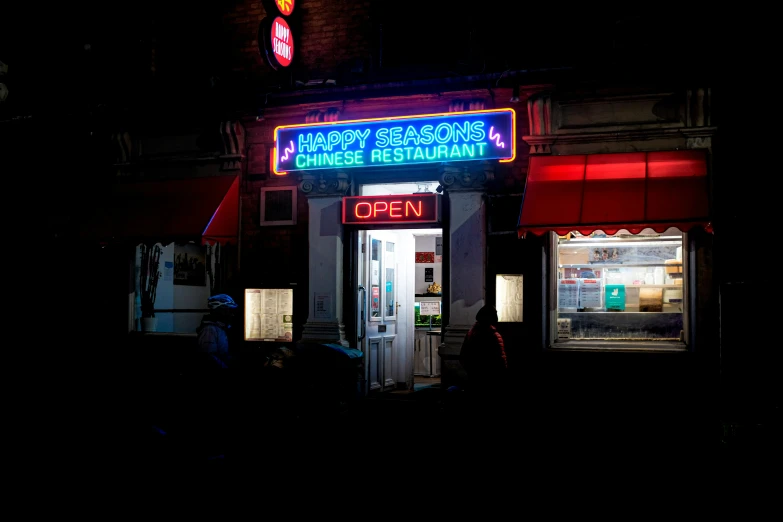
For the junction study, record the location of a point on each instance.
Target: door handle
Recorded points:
(362, 307)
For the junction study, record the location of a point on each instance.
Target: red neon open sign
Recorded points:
(399, 208)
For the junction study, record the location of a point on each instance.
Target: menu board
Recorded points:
(269, 314)
(568, 293)
(590, 293)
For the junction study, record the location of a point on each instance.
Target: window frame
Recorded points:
(666, 345)
(498, 305)
(292, 221)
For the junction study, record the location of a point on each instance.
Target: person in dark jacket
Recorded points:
(215, 331)
(483, 356)
(213, 417)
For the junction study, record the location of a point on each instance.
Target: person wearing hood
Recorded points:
(214, 332)
(483, 357)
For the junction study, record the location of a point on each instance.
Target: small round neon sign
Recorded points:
(286, 7)
(282, 42)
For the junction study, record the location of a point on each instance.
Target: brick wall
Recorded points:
(332, 34)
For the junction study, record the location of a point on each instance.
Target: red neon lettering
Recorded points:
(379, 209)
(356, 209)
(410, 204)
(394, 206)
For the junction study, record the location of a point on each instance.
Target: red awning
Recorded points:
(194, 209)
(612, 192)
(223, 228)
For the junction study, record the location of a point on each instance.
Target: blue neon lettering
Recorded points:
(349, 137)
(319, 141)
(426, 135)
(440, 136)
(410, 135)
(462, 132)
(362, 135)
(382, 137)
(477, 131)
(334, 138)
(393, 143)
(305, 143)
(396, 138)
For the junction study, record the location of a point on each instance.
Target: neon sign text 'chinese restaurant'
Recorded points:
(433, 138)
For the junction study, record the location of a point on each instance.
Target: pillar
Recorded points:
(467, 240)
(324, 193)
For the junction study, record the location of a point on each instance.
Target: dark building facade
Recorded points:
(609, 112)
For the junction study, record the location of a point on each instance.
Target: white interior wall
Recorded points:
(171, 296)
(426, 243)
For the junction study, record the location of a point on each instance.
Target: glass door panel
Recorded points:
(375, 279)
(390, 282)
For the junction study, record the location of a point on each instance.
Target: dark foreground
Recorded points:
(164, 426)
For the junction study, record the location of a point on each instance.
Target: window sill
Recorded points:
(619, 346)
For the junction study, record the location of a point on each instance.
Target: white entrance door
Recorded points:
(383, 290)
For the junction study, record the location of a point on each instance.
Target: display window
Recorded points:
(508, 297)
(621, 286)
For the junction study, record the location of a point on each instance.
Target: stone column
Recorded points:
(467, 233)
(324, 197)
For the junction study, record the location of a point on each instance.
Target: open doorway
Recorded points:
(399, 282)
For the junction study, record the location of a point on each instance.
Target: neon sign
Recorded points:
(282, 42)
(286, 7)
(407, 140)
(397, 208)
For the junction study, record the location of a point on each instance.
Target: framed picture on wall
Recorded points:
(425, 257)
(190, 266)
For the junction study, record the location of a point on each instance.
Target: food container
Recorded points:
(673, 269)
(672, 295)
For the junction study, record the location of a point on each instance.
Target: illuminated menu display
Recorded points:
(431, 138)
(397, 208)
(269, 314)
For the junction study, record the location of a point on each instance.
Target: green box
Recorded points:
(615, 298)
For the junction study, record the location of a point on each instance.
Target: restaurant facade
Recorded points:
(636, 191)
(378, 219)
(586, 220)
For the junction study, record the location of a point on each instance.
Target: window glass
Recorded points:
(390, 290)
(620, 287)
(508, 298)
(375, 278)
(172, 284)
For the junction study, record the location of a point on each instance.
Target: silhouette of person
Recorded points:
(483, 356)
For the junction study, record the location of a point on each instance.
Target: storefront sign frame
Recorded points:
(397, 141)
(392, 209)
